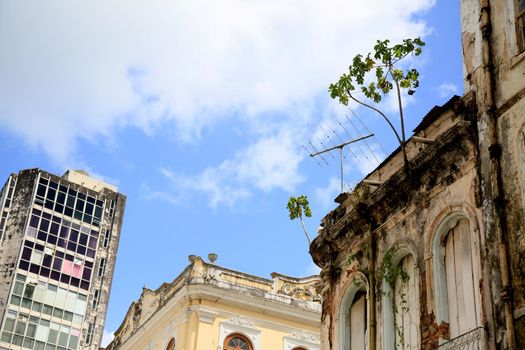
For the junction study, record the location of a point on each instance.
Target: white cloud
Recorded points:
(269, 163)
(107, 337)
(72, 70)
(446, 90)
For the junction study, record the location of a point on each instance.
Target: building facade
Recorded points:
(436, 259)
(58, 243)
(211, 307)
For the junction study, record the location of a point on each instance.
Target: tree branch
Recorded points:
(380, 113)
(305, 232)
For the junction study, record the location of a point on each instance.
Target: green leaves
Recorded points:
(298, 206)
(382, 62)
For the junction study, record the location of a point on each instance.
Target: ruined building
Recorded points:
(211, 307)
(58, 242)
(436, 259)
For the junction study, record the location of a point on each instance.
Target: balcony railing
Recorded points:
(472, 340)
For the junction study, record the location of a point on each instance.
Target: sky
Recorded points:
(204, 114)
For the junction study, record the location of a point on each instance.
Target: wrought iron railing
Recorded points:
(472, 340)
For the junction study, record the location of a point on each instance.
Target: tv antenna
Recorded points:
(340, 148)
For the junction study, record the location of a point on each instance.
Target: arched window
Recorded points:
(406, 305)
(357, 317)
(461, 287)
(400, 300)
(237, 342)
(354, 316)
(456, 268)
(171, 344)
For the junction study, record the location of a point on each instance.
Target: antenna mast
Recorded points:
(340, 148)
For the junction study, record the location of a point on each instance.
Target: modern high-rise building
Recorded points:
(58, 244)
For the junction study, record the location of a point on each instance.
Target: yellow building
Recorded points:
(210, 307)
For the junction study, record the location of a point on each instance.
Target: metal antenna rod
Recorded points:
(340, 148)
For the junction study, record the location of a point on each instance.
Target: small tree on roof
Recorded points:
(297, 207)
(384, 63)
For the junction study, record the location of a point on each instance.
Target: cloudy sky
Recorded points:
(200, 111)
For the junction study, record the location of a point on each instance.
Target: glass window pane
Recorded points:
(37, 257)
(28, 343)
(73, 342)
(42, 332)
(36, 306)
(17, 340)
(19, 287)
(26, 303)
(6, 337)
(60, 300)
(30, 290)
(62, 340)
(77, 319)
(15, 300)
(31, 330)
(34, 221)
(9, 325)
(20, 327)
(52, 337)
(48, 310)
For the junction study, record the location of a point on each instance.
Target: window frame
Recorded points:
(519, 18)
(401, 250)
(446, 221)
(240, 325)
(357, 282)
(171, 344)
(236, 335)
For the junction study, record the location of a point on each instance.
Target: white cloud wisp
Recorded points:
(74, 71)
(71, 70)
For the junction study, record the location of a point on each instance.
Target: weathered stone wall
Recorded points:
(10, 245)
(483, 177)
(497, 74)
(113, 218)
(403, 215)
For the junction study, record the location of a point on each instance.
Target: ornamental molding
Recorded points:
(241, 321)
(306, 336)
(303, 339)
(240, 325)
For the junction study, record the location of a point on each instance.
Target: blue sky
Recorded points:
(198, 111)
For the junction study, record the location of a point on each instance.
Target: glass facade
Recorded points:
(43, 316)
(58, 263)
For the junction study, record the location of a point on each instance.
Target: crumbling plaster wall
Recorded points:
(10, 246)
(495, 70)
(103, 284)
(511, 126)
(450, 184)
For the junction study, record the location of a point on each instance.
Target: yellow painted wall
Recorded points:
(194, 334)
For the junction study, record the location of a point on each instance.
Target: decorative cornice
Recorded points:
(303, 339)
(241, 321)
(307, 336)
(205, 315)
